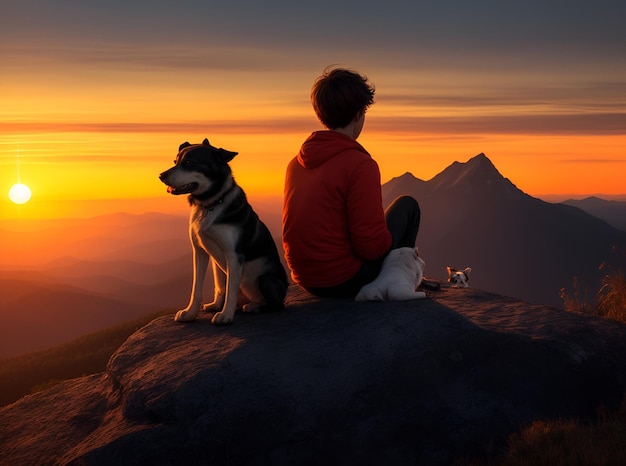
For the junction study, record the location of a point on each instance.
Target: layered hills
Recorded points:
(64, 278)
(60, 279)
(611, 211)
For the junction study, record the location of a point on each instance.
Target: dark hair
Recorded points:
(339, 95)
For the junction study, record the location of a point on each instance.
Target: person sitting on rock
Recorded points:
(335, 232)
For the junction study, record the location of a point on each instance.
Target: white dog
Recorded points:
(459, 278)
(400, 275)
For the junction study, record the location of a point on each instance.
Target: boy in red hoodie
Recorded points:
(335, 232)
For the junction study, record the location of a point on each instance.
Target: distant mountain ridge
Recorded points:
(612, 212)
(64, 278)
(517, 245)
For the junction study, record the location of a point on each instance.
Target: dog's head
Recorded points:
(459, 278)
(200, 170)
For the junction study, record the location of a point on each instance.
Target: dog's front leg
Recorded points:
(200, 264)
(219, 289)
(234, 268)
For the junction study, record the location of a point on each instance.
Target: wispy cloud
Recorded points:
(607, 95)
(150, 57)
(262, 126)
(557, 124)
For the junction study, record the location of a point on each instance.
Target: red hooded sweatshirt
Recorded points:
(333, 217)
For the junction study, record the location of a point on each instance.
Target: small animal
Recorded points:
(459, 278)
(400, 275)
(225, 231)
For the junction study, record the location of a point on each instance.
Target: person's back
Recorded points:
(333, 218)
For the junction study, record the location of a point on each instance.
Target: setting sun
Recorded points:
(19, 193)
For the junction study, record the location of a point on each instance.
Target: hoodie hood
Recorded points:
(321, 146)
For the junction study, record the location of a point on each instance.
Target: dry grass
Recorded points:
(609, 301)
(565, 443)
(568, 443)
(611, 298)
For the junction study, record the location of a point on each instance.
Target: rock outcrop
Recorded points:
(327, 382)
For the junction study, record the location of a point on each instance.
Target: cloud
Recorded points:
(556, 124)
(598, 95)
(144, 57)
(263, 126)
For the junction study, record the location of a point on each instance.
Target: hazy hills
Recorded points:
(64, 278)
(517, 245)
(123, 236)
(60, 279)
(612, 212)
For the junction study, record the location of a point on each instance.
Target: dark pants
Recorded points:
(403, 221)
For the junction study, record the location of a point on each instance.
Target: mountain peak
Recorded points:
(478, 163)
(478, 176)
(480, 160)
(406, 176)
(404, 184)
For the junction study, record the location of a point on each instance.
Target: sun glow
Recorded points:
(19, 193)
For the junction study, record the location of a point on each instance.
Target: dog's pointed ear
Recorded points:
(183, 145)
(206, 142)
(226, 155)
(450, 270)
(467, 271)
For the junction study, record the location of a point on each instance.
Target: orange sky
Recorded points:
(88, 114)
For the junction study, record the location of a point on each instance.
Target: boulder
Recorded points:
(327, 382)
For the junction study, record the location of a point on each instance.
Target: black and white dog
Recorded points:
(224, 229)
(458, 278)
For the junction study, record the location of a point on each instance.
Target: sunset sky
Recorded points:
(95, 97)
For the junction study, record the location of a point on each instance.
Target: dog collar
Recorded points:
(219, 201)
(213, 205)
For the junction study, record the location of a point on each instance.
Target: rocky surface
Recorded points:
(327, 382)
